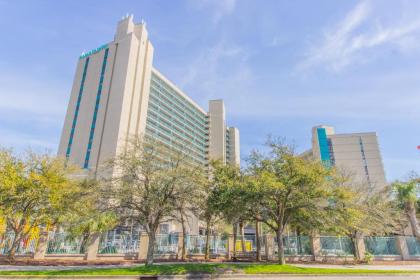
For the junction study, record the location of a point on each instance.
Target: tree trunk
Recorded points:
(411, 213)
(13, 248)
(355, 248)
(299, 241)
(257, 238)
(184, 239)
(235, 238)
(151, 247)
(207, 249)
(280, 247)
(241, 229)
(86, 236)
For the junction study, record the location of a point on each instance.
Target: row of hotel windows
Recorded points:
(174, 144)
(175, 112)
(183, 121)
(177, 100)
(159, 113)
(170, 129)
(172, 135)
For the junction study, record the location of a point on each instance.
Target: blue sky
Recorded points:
(281, 66)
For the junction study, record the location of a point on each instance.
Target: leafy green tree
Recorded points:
(288, 186)
(87, 215)
(407, 198)
(231, 198)
(148, 179)
(186, 200)
(36, 191)
(357, 209)
(253, 197)
(208, 204)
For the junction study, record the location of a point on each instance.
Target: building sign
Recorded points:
(98, 49)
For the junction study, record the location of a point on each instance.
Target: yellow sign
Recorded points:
(248, 245)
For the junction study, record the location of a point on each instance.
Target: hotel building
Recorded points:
(357, 154)
(118, 94)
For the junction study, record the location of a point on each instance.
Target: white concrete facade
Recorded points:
(357, 154)
(118, 94)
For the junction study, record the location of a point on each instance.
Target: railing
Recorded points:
(381, 245)
(336, 246)
(25, 247)
(413, 245)
(119, 242)
(166, 244)
(196, 244)
(295, 246)
(62, 243)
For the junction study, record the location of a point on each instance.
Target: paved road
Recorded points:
(370, 277)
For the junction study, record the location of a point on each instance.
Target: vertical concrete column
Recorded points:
(92, 247)
(217, 130)
(402, 247)
(144, 244)
(42, 246)
(316, 246)
(230, 247)
(269, 246)
(180, 243)
(360, 247)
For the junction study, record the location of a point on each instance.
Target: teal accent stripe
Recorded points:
(323, 147)
(76, 112)
(95, 112)
(98, 49)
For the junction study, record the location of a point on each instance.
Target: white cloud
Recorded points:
(361, 30)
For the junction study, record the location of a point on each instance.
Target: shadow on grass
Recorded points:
(164, 269)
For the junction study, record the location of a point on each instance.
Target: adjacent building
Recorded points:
(357, 154)
(118, 94)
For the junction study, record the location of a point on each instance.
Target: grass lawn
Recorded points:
(172, 269)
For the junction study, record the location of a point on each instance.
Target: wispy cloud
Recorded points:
(31, 112)
(357, 106)
(22, 141)
(32, 99)
(218, 9)
(217, 72)
(361, 30)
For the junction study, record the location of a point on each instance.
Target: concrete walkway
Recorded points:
(364, 266)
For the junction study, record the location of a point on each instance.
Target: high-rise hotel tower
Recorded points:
(118, 94)
(357, 154)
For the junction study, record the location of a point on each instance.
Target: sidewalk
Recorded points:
(364, 266)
